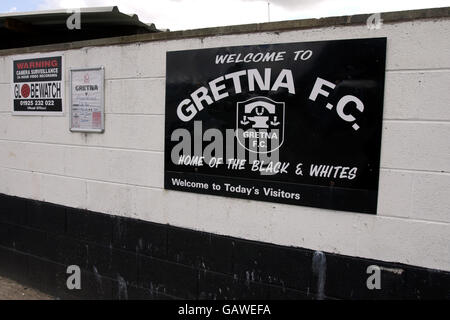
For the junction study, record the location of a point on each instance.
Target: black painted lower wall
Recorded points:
(123, 258)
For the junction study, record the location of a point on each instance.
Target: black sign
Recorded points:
(38, 85)
(296, 123)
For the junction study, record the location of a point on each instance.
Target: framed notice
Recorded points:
(87, 100)
(295, 123)
(38, 84)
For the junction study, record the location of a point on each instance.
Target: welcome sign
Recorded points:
(296, 123)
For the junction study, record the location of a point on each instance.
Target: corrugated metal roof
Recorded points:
(23, 29)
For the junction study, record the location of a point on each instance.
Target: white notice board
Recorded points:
(87, 100)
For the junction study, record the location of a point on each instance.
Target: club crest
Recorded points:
(260, 124)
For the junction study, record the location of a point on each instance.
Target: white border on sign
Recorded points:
(102, 70)
(63, 83)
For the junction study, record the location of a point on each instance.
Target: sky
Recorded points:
(191, 14)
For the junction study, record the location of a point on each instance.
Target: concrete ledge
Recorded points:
(360, 19)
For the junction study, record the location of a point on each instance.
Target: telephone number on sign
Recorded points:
(37, 103)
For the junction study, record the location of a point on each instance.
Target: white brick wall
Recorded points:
(121, 171)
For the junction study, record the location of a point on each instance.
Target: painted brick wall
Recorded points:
(120, 172)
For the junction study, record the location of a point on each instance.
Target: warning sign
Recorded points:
(38, 85)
